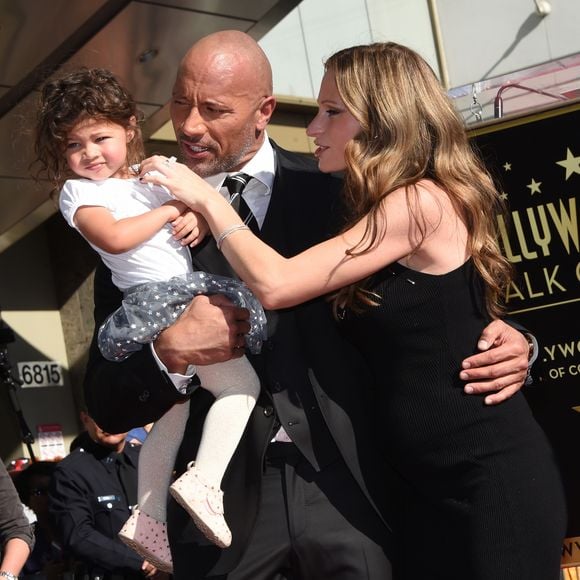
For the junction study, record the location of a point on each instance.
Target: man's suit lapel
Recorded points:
(283, 226)
(274, 229)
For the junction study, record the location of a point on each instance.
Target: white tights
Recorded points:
(235, 386)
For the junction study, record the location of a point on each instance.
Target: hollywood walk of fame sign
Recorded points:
(536, 163)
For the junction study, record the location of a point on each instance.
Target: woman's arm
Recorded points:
(280, 282)
(99, 226)
(502, 366)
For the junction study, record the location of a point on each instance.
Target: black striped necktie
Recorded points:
(235, 184)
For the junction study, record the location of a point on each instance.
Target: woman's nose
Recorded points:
(313, 128)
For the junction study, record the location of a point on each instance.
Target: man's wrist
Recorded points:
(533, 353)
(166, 356)
(532, 346)
(8, 575)
(182, 381)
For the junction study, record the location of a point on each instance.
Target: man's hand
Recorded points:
(501, 367)
(210, 330)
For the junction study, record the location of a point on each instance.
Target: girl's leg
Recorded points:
(236, 387)
(157, 460)
(146, 530)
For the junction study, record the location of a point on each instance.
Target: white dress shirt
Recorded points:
(256, 194)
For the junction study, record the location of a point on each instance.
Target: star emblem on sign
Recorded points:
(571, 164)
(534, 186)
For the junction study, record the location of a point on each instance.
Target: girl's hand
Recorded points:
(181, 181)
(190, 228)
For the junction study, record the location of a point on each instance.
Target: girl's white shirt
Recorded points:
(159, 258)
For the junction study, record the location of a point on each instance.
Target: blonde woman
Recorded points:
(414, 277)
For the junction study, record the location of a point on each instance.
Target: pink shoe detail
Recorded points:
(205, 505)
(148, 537)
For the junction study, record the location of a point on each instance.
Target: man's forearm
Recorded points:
(132, 393)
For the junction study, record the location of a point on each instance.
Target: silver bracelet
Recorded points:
(9, 575)
(227, 232)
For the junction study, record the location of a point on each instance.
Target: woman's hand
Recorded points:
(183, 183)
(192, 190)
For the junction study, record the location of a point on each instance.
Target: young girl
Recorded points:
(414, 277)
(87, 124)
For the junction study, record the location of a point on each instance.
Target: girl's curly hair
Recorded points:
(87, 93)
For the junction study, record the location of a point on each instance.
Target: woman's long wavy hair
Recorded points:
(87, 93)
(411, 131)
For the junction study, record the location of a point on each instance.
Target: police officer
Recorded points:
(90, 498)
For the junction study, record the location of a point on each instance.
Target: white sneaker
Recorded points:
(205, 505)
(148, 537)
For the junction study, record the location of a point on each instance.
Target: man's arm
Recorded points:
(128, 394)
(211, 330)
(502, 367)
(123, 395)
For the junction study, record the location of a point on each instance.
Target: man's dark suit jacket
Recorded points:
(312, 380)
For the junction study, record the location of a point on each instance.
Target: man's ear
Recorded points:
(265, 112)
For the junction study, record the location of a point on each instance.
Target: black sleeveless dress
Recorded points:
(481, 497)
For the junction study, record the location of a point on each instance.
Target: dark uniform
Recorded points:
(89, 501)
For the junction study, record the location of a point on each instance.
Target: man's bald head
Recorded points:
(222, 102)
(234, 52)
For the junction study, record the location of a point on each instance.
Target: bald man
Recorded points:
(306, 494)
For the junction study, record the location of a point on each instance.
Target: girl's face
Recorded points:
(97, 149)
(332, 128)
